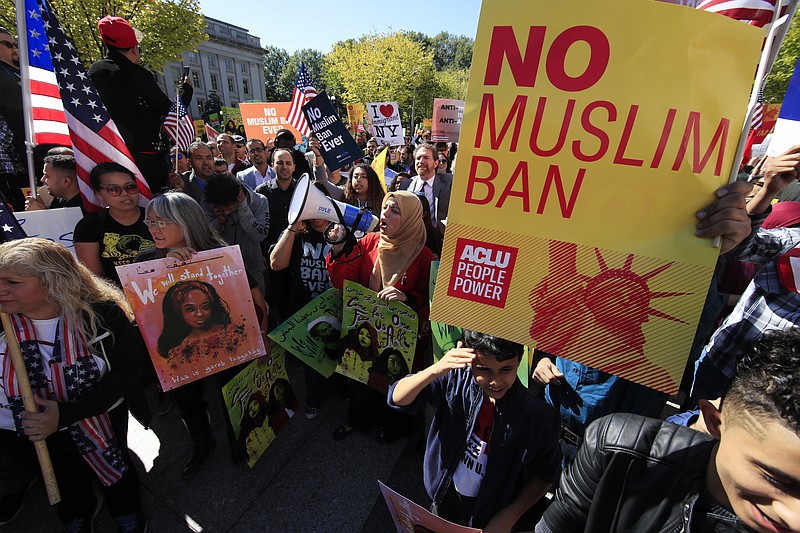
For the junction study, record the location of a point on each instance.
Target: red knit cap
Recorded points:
(116, 32)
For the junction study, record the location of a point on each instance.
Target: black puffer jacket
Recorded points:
(632, 474)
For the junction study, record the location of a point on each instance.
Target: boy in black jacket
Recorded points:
(493, 446)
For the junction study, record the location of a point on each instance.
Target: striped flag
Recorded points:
(49, 121)
(211, 133)
(787, 127)
(754, 12)
(178, 125)
(94, 136)
(303, 92)
(758, 111)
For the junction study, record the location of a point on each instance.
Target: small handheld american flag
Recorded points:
(178, 125)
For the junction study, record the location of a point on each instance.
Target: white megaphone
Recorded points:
(308, 202)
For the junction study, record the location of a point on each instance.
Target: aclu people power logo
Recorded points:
(482, 272)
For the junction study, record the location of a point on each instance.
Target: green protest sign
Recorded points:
(379, 338)
(260, 401)
(312, 334)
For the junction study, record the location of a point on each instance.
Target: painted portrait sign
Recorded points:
(197, 317)
(378, 338)
(260, 401)
(409, 517)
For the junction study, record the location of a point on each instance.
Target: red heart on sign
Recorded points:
(387, 110)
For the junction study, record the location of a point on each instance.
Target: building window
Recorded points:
(214, 85)
(229, 64)
(211, 61)
(191, 56)
(234, 103)
(246, 86)
(201, 105)
(244, 68)
(196, 80)
(176, 75)
(230, 84)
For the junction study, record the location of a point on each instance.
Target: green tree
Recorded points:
(451, 52)
(453, 84)
(378, 68)
(315, 66)
(275, 60)
(170, 27)
(778, 80)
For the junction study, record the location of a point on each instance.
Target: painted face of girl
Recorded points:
(364, 339)
(253, 408)
(394, 365)
(196, 310)
(278, 392)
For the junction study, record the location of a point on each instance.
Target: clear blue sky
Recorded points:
(317, 24)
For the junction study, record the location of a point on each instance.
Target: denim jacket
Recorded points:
(524, 444)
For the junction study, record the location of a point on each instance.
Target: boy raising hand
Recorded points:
(493, 447)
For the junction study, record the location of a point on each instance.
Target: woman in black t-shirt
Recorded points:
(116, 235)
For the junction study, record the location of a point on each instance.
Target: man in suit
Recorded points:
(435, 187)
(202, 168)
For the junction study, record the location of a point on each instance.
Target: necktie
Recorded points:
(429, 196)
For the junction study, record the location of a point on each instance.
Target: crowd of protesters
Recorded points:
(494, 447)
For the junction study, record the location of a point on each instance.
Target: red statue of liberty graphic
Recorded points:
(597, 319)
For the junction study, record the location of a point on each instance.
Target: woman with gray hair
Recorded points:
(180, 229)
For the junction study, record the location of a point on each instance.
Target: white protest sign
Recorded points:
(54, 225)
(385, 120)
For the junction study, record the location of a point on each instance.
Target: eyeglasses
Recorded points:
(116, 190)
(157, 223)
(173, 156)
(256, 150)
(9, 44)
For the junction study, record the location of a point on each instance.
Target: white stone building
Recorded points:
(229, 63)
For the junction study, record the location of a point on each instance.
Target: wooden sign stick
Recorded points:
(45, 464)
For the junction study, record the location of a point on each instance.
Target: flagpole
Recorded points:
(24, 69)
(177, 124)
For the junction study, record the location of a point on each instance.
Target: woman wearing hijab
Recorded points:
(394, 263)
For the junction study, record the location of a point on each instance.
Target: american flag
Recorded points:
(211, 133)
(754, 12)
(178, 125)
(49, 121)
(94, 136)
(303, 92)
(10, 228)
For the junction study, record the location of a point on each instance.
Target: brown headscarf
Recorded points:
(396, 253)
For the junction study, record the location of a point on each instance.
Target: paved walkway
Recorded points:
(305, 481)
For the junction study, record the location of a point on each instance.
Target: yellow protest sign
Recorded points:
(589, 140)
(355, 114)
(199, 128)
(379, 166)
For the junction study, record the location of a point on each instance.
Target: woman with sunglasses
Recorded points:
(115, 235)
